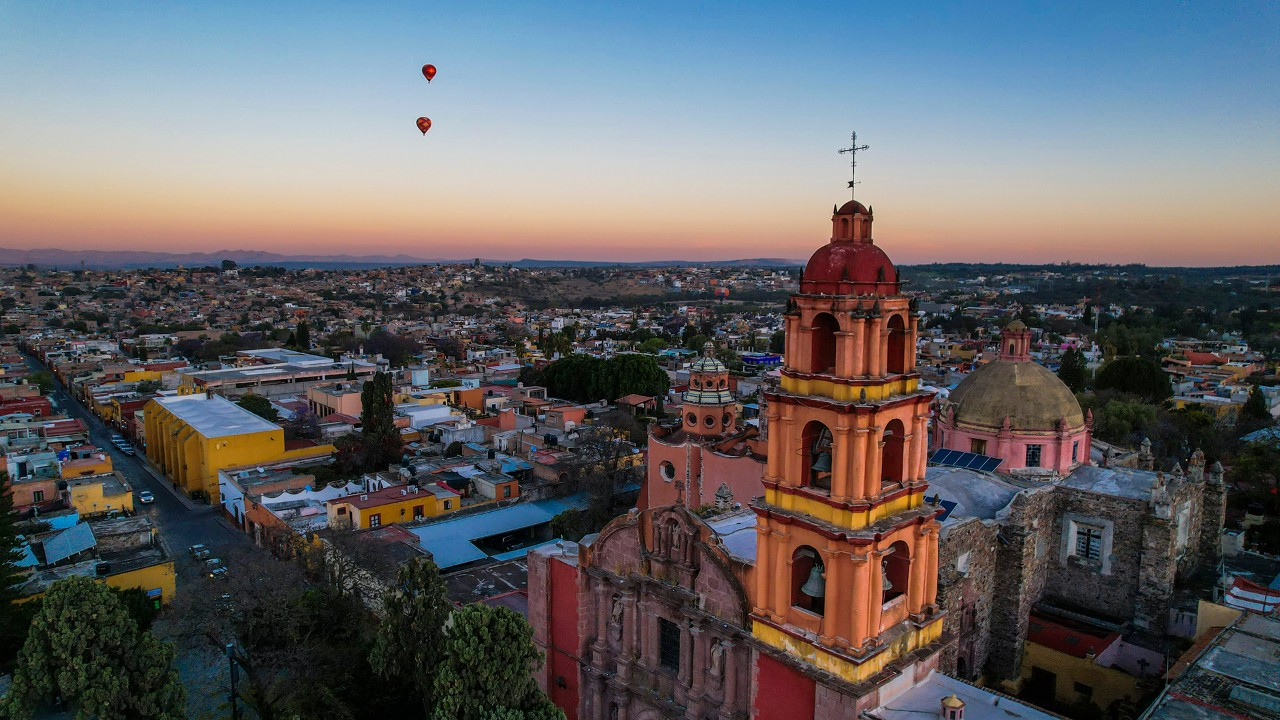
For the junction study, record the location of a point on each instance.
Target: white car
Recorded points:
(146, 498)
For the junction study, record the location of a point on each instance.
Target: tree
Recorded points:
(487, 669)
(1255, 414)
(1074, 371)
(43, 379)
(379, 436)
(84, 648)
(260, 406)
(410, 639)
(229, 265)
(302, 336)
(1137, 376)
(13, 617)
(399, 350)
(778, 342)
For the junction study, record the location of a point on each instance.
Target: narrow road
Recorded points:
(181, 525)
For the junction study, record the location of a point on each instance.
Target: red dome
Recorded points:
(845, 268)
(853, 207)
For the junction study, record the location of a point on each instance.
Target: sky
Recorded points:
(998, 132)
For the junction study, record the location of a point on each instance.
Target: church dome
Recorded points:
(853, 207)
(707, 364)
(849, 262)
(1031, 396)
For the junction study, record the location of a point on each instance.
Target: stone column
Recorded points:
(931, 569)
(603, 610)
(914, 441)
(858, 468)
(876, 606)
(921, 460)
(875, 464)
(626, 653)
(845, 342)
(781, 575)
(790, 458)
(764, 571)
(834, 602)
(841, 468)
(774, 464)
(859, 347)
(919, 561)
(730, 703)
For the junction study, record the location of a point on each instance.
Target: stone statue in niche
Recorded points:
(615, 618)
(717, 658)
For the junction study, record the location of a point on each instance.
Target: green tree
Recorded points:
(778, 342)
(302, 336)
(44, 379)
(1074, 371)
(487, 668)
(85, 648)
(260, 406)
(1137, 376)
(379, 436)
(410, 639)
(1255, 411)
(13, 617)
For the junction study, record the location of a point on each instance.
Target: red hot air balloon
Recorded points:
(424, 124)
(428, 72)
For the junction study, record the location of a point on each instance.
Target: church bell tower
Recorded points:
(847, 549)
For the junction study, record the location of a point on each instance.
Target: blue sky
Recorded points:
(998, 131)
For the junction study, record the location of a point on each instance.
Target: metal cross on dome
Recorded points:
(853, 150)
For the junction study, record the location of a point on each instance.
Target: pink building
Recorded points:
(1017, 410)
(705, 459)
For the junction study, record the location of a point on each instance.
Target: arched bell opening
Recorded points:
(897, 347)
(897, 571)
(808, 580)
(892, 460)
(816, 445)
(822, 343)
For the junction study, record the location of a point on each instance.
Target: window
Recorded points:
(978, 447)
(818, 439)
(448, 504)
(668, 645)
(808, 580)
(962, 563)
(417, 512)
(37, 496)
(1088, 542)
(1075, 451)
(375, 520)
(691, 419)
(1033, 456)
(1085, 691)
(342, 509)
(667, 470)
(710, 422)
(506, 491)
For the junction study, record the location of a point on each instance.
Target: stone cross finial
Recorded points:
(1215, 474)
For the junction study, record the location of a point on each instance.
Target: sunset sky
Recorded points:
(1101, 132)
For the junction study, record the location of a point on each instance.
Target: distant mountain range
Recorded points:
(131, 259)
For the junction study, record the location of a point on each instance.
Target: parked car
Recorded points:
(198, 552)
(218, 573)
(146, 497)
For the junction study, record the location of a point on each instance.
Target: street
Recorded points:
(181, 522)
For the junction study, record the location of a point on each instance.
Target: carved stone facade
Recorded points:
(669, 611)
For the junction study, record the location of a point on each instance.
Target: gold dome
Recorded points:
(1031, 396)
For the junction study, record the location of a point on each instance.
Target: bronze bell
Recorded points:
(816, 585)
(822, 464)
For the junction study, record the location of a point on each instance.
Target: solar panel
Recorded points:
(967, 460)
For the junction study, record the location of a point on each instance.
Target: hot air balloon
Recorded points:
(424, 124)
(428, 72)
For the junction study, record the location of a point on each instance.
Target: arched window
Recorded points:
(844, 228)
(816, 470)
(822, 347)
(808, 581)
(897, 571)
(1011, 351)
(892, 457)
(897, 350)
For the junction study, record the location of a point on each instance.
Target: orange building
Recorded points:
(847, 552)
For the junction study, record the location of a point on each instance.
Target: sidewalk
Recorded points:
(187, 502)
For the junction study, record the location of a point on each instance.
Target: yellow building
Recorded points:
(1070, 664)
(121, 552)
(396, 504)
(99, 494)
(191, 437)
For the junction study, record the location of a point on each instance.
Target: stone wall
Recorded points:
(1024, 551)
(966, 590)
(1107, 587)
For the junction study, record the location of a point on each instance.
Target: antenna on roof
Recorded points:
(853, 150)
